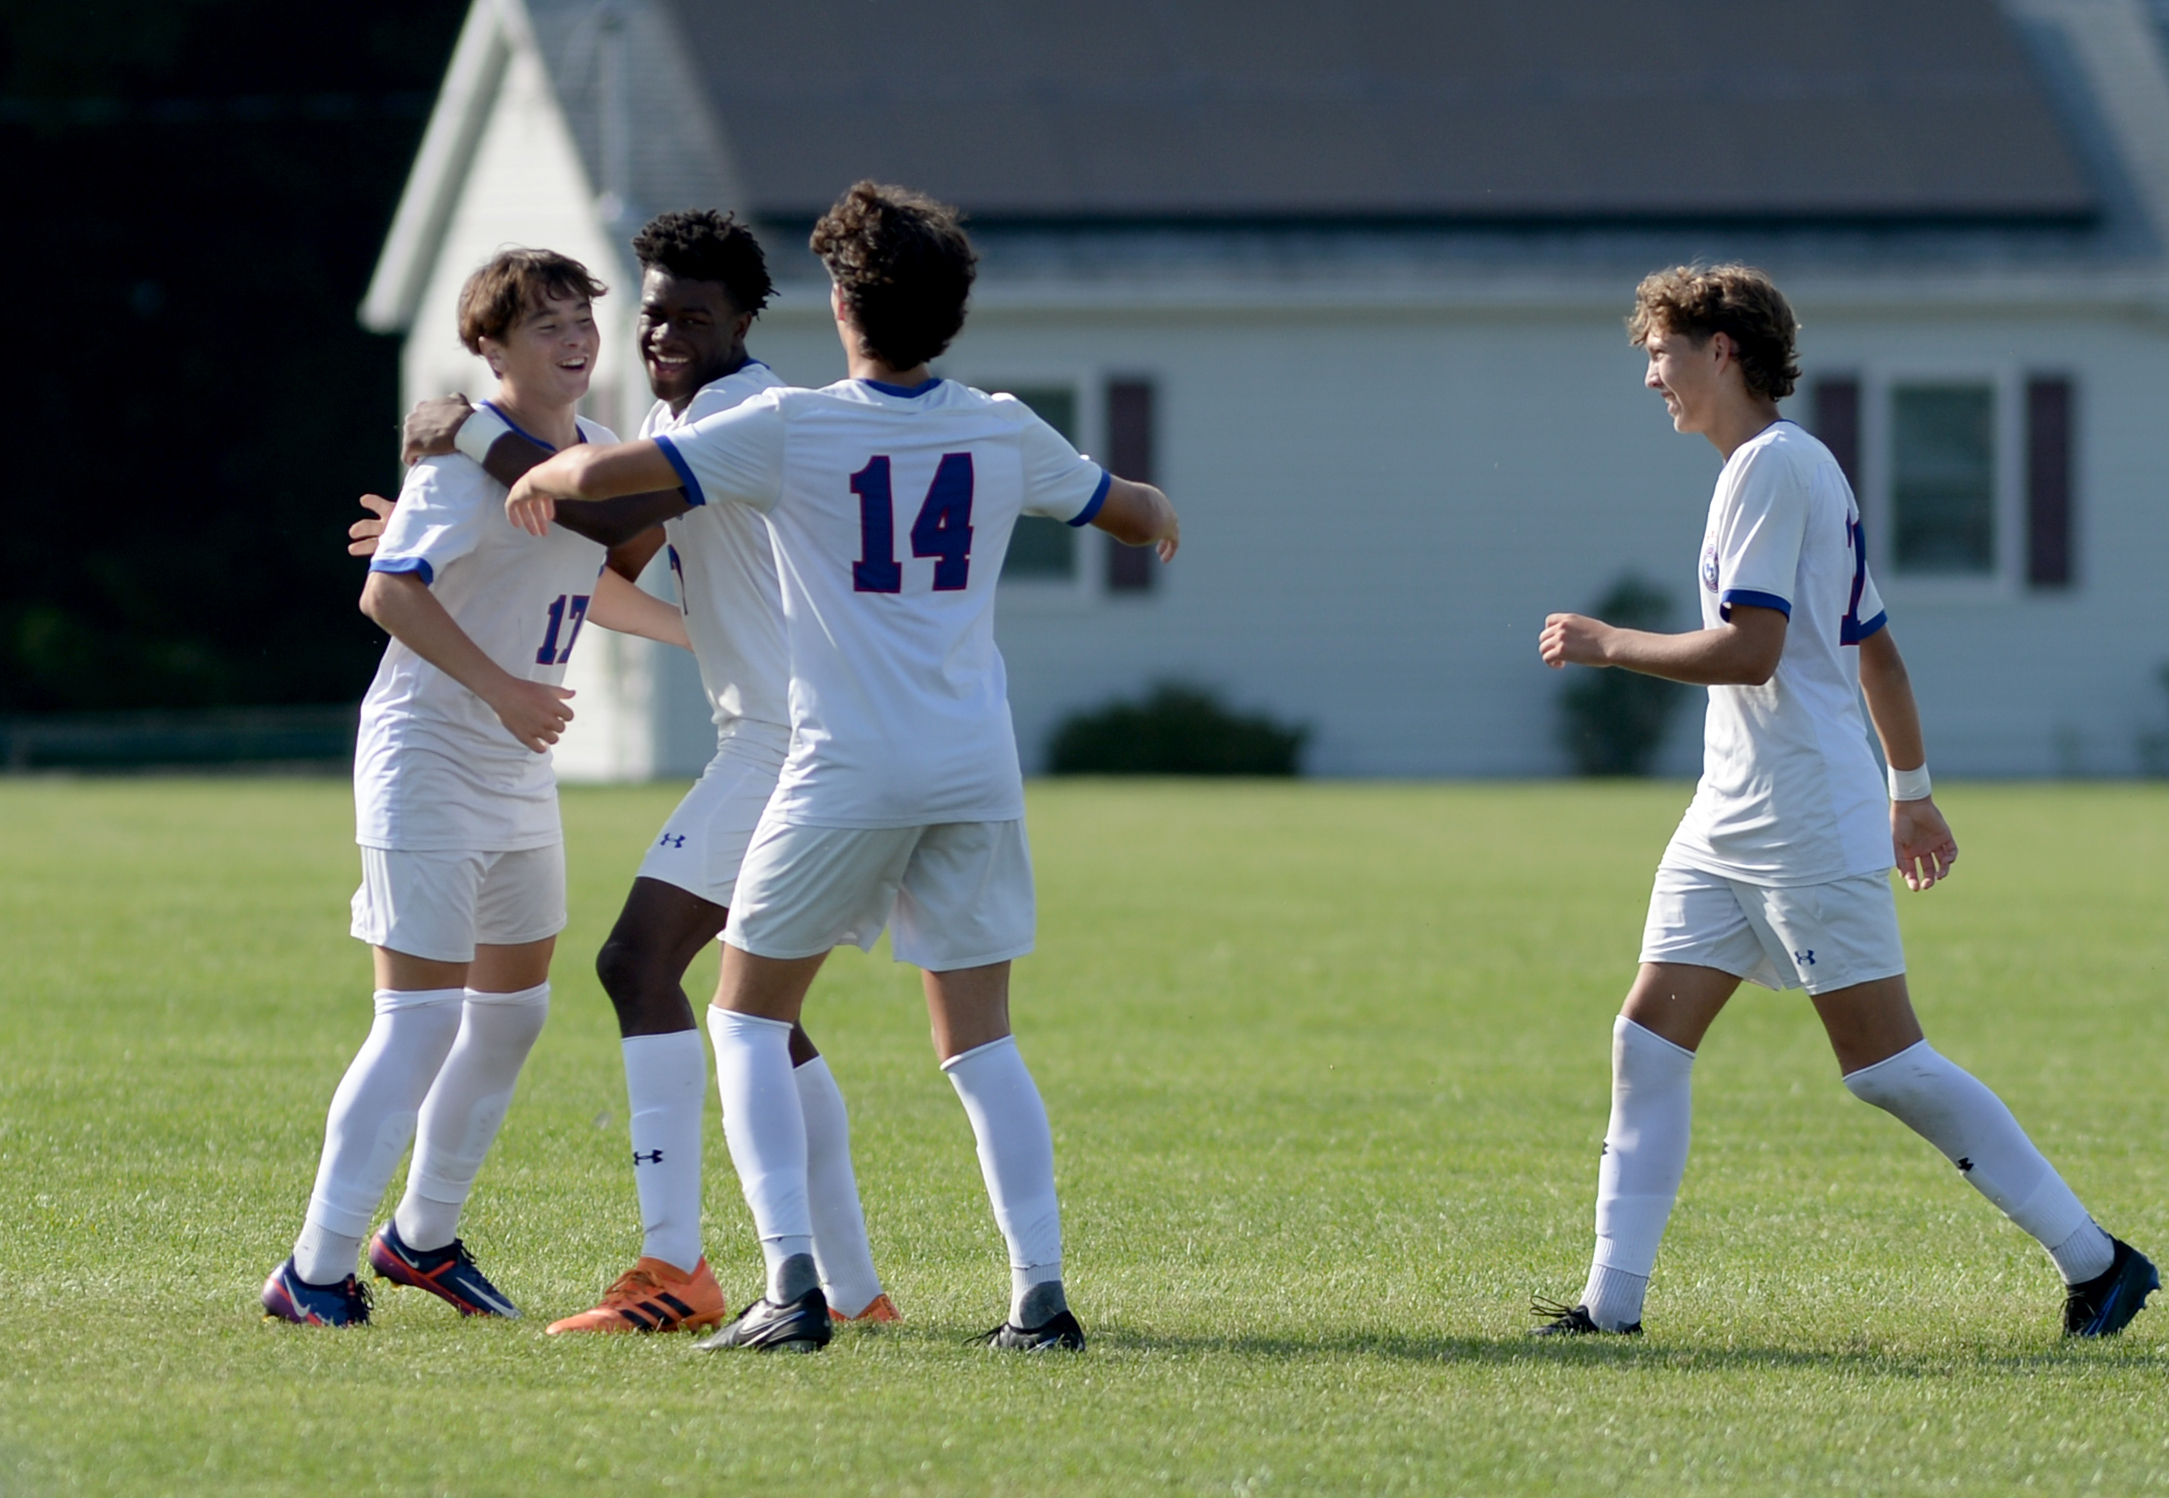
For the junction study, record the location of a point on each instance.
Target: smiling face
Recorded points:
(547, 357)
(689, 334)
(1689, 375)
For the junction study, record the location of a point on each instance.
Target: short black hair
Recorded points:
(904, 266)
(700, 244)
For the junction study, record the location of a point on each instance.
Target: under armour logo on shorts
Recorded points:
(652, 1157)
(1805, 959)
(671, 840)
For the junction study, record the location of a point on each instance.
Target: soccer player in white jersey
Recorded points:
(704, 280)
(463, 871)
(891, 495)
(1779, 872)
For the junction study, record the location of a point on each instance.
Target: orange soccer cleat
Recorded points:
(879, 1309)
(653, 1296)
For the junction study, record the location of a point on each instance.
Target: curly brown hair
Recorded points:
(1738, 301)
(513, 284)
(700, 244)
(904, 266)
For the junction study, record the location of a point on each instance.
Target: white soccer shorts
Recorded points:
(704, 842)
(1821, 937)
(959, 893)
(438, 904)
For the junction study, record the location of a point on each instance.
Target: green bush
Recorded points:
(1175, 730)
(1613, 721)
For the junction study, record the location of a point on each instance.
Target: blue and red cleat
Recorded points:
(289, 1297)
(449, 1273)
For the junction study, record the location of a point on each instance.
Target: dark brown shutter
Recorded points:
(1837, 424)
(2048, 482)
(1129, 455)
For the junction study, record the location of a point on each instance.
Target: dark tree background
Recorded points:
(196, 191)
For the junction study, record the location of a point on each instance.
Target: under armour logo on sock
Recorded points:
(671, 840)
(652, 1157)
(1964, 1166)
(1805, 959)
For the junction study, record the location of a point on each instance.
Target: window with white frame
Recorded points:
(1942, 456)
(1040, 549)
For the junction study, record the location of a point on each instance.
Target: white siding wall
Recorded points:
(1380, 507)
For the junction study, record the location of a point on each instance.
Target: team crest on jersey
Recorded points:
(1709, 566)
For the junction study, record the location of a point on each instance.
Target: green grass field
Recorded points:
(1327, 1066)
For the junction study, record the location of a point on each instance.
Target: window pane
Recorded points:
(1040, 549)
(1943, 478)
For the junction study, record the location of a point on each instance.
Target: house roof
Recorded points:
(1453, 109)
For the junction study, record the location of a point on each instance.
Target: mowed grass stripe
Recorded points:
(1327, 1067)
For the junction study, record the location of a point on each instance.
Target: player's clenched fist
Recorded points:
(534, 712)
(529, 508)
(1573, 640)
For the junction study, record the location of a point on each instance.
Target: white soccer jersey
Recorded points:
(725, 562)
(433, 767)
(1790, 793)
(891, 510)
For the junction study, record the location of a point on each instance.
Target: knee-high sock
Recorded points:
(1645, 1154)
(465, 1106)
(832, 1193)
(371, 1121)
(1016, 1158)
(766, 1131)
(1951, 1109)
(666, 1083)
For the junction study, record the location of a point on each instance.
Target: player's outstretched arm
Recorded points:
(1742, 652)
(1139, 515)
(634, 472)
(631, 610)
(534, 712)
(1920, 839)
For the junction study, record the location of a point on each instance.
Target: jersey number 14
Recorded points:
(943, 530)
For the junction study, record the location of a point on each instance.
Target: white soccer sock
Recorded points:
(1951, 1109)
(832, 1193)
(666, 1083)
(1016, 1158)
(766, 1130)
(1645, 1154)
(371, 1120)
(465, 1106)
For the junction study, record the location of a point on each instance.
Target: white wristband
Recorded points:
(479, 432)
(1909, 785)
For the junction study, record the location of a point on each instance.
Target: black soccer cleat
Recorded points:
(1562, 1320)
(1058, 1333)
(764, 1326)
(2105, 1304)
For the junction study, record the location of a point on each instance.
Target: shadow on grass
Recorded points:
(1631, 1353)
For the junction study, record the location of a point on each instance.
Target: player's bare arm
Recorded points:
(1742, 652)
(621, 606)
(588, 472)
(401, 605)
(1139, 515)
(1919, 836)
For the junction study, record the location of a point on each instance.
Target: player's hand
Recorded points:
(1169, 540)
(1922, 841)
(1573, 640)
(534, 712)
(362, 534)
(529, 508)
(431, 427)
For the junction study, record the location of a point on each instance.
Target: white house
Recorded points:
(1348, 281)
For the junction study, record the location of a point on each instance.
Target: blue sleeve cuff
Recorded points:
(1852, 634)
(691, 485)
(396, 565)
(1754, 600)
(1099, 497)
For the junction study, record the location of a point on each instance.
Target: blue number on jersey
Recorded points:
(573, 607)
(877, 570)
(943, 529)
(1856, 536)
